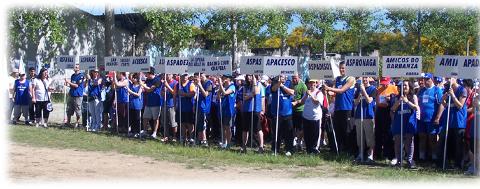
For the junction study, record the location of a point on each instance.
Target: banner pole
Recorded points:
(64, 101)
(401, 127)
(165, 137)
(180, 111)
(221, 116)
(253, 109)
(446, 131)
(276, 123)
(333, 129)
(361, 121)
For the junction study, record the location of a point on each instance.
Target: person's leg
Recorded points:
(172, 122)
(46, 114)
(369, 128)
(38, 112)
(422, 140)
(246, 128)
(25, 112)
(70, 107)
(78, 110)
(396, 139)
(91, 110)
(338, 124)
(360, 138)
(308, 130)
(379, 127)
(258, 129)
(276, 140)
(409, 147)
(288, 134)
(459, 142)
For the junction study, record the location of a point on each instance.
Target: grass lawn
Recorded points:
(325, 165)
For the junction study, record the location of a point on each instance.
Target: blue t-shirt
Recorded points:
(122, 94)
(344, 101)
(77, 79)
(205, 102)
(153, 97)
(247, 104)
(170, 102)
(429, 100)
(285, 108)
(368, 108)
(94, 91)
(228, 102)
(458, 117)
(136, 102)
(409, 120)
(22, 92)
(186, 103)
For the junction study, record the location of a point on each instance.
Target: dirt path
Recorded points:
(32, 164)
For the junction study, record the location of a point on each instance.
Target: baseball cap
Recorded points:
(313, 80)
(427, 75)
(385, 80)
(240, 77)
(264, 78)
(438, 79)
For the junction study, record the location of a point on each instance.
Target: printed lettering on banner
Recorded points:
(218, 65)
(88, 62)
(139, 64)
(402, 66)
(279, 66)
(196, 64)
(468, 66)
(111, 63)
(66, 62)
(251, 65)
(159, 65)
(446, 66)
(322, 69)
(361, 66)
(175, 65)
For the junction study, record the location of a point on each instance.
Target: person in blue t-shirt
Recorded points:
(344, 89)
(22, 96)
(120, 83)
(430, 98)
(136, 104)
(94, 84)
(151, 88)
(364, 107)
(168, 109)
(227, 94)
(204, 95)
(186, 92)
(252, 93)
(409, 111)
(456, 124)
(283, 95)
(76, 94)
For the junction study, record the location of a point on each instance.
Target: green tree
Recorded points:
(277, 21)
(319, 24)
(359, 23)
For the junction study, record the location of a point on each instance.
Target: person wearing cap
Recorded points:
(430, 97)
(169, 108)
(383, 137)
(75, 94)
(204, 88)
(344, 89)
(297, 118)
(22, 97)
(94, 84)
(312, 114)
(283, 95)
(364, 114)
(456, 125)
(11, 81)
(227, 93)
(120, 83)
(186, 91)
(152, 104)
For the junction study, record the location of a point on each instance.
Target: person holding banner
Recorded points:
(251, 112)
(74, 103)
(152, 106)
(136, 103)
(383, 136)
(312, 115)
(22, 96)
(108, 96)
(410, 109)
(284, 99)
(344, 89)
(430, 99)
(186, 91)
(169, 85)
(205, 88)
(31, 79)
(366, 132)
(41, 97)
(300, 89)
(94, 83)
(120, 83)
(227, 93)
(474, 158)
(456, 124)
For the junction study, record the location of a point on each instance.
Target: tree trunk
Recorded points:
(282, 46)
(109, 25)
(468, 47)
(419, 32)
(233, 50)
(324, 49)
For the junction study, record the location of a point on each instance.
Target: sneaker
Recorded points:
(164, 139)
(191, 142)
(204, 143)
(243, 150)
(288, 154)
(315, 151)
(36, 125)
(27, 123)
(470, 170)
(358, 159)
(173, 140)
(154, 136)
(45, 125)
(394, 162)
(260, 150)
(13, 122)
(411, 165)
(369, 161)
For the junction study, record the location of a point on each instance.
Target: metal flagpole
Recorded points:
(180, 110)
(276, 123)
(165, 107)
(89, 123)
(64, 102)
(475, 139)
(128, 107)
(253, 109)
(196, 115)
(116, 102)
(221, 116)
(446, 131)
(331, 126)
(361, 120)
(401, 128)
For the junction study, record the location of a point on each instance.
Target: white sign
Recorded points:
(361, 66)
(279, 66)
(172, 65)
(123, 64)
(446, 66)
(139, 64)
(402, 66)
(196, 64)
(66, 62)
(159, 65)
(251, 65)
(111, 63)
(322, 69)
(468, 67)
(88, 62)
(218, 65)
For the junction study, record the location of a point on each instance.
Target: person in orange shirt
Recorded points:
(383, 137)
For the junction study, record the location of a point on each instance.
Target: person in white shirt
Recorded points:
(312, 115)
(11, 90)
(41, 97)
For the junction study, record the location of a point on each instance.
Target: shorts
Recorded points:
(226, 120)
(201, 121)
(170, 117)
(74, 105)
(187, 117)
(151, 112)
(247, 121)
(368, 130)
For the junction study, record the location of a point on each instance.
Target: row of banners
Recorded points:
(357, 66)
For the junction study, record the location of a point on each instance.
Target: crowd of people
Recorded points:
(370, 119)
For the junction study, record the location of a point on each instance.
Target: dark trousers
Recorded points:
(340, 124)
(135, 120)
(311, 134)
(31, 110)
(238, 128)
(122, 117)
(285, 133)
(41, 107)
(383, 137)
(455, 146)
(298, 123)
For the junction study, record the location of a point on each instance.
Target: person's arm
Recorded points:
(304, 98)
(458, 102)
(137, 94)
(169, 89)
(413, 104)
(33, 92)
(72, 85)
(315, 98)
(350, 83)
(368, 97)
(396, 105)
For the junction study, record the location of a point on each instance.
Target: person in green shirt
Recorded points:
(300, 88)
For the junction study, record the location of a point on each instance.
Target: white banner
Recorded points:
(251, 65)
(139, 64)
(280, 66)
(172, 65)
(361, 66)
(218, 65)
(468, 67)
(159, 65)
(322, 69)
(402, 66)
(196, 64)
(66, 62)
(111, 63)
(124, 63)
(446, 66)
(88, 62)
